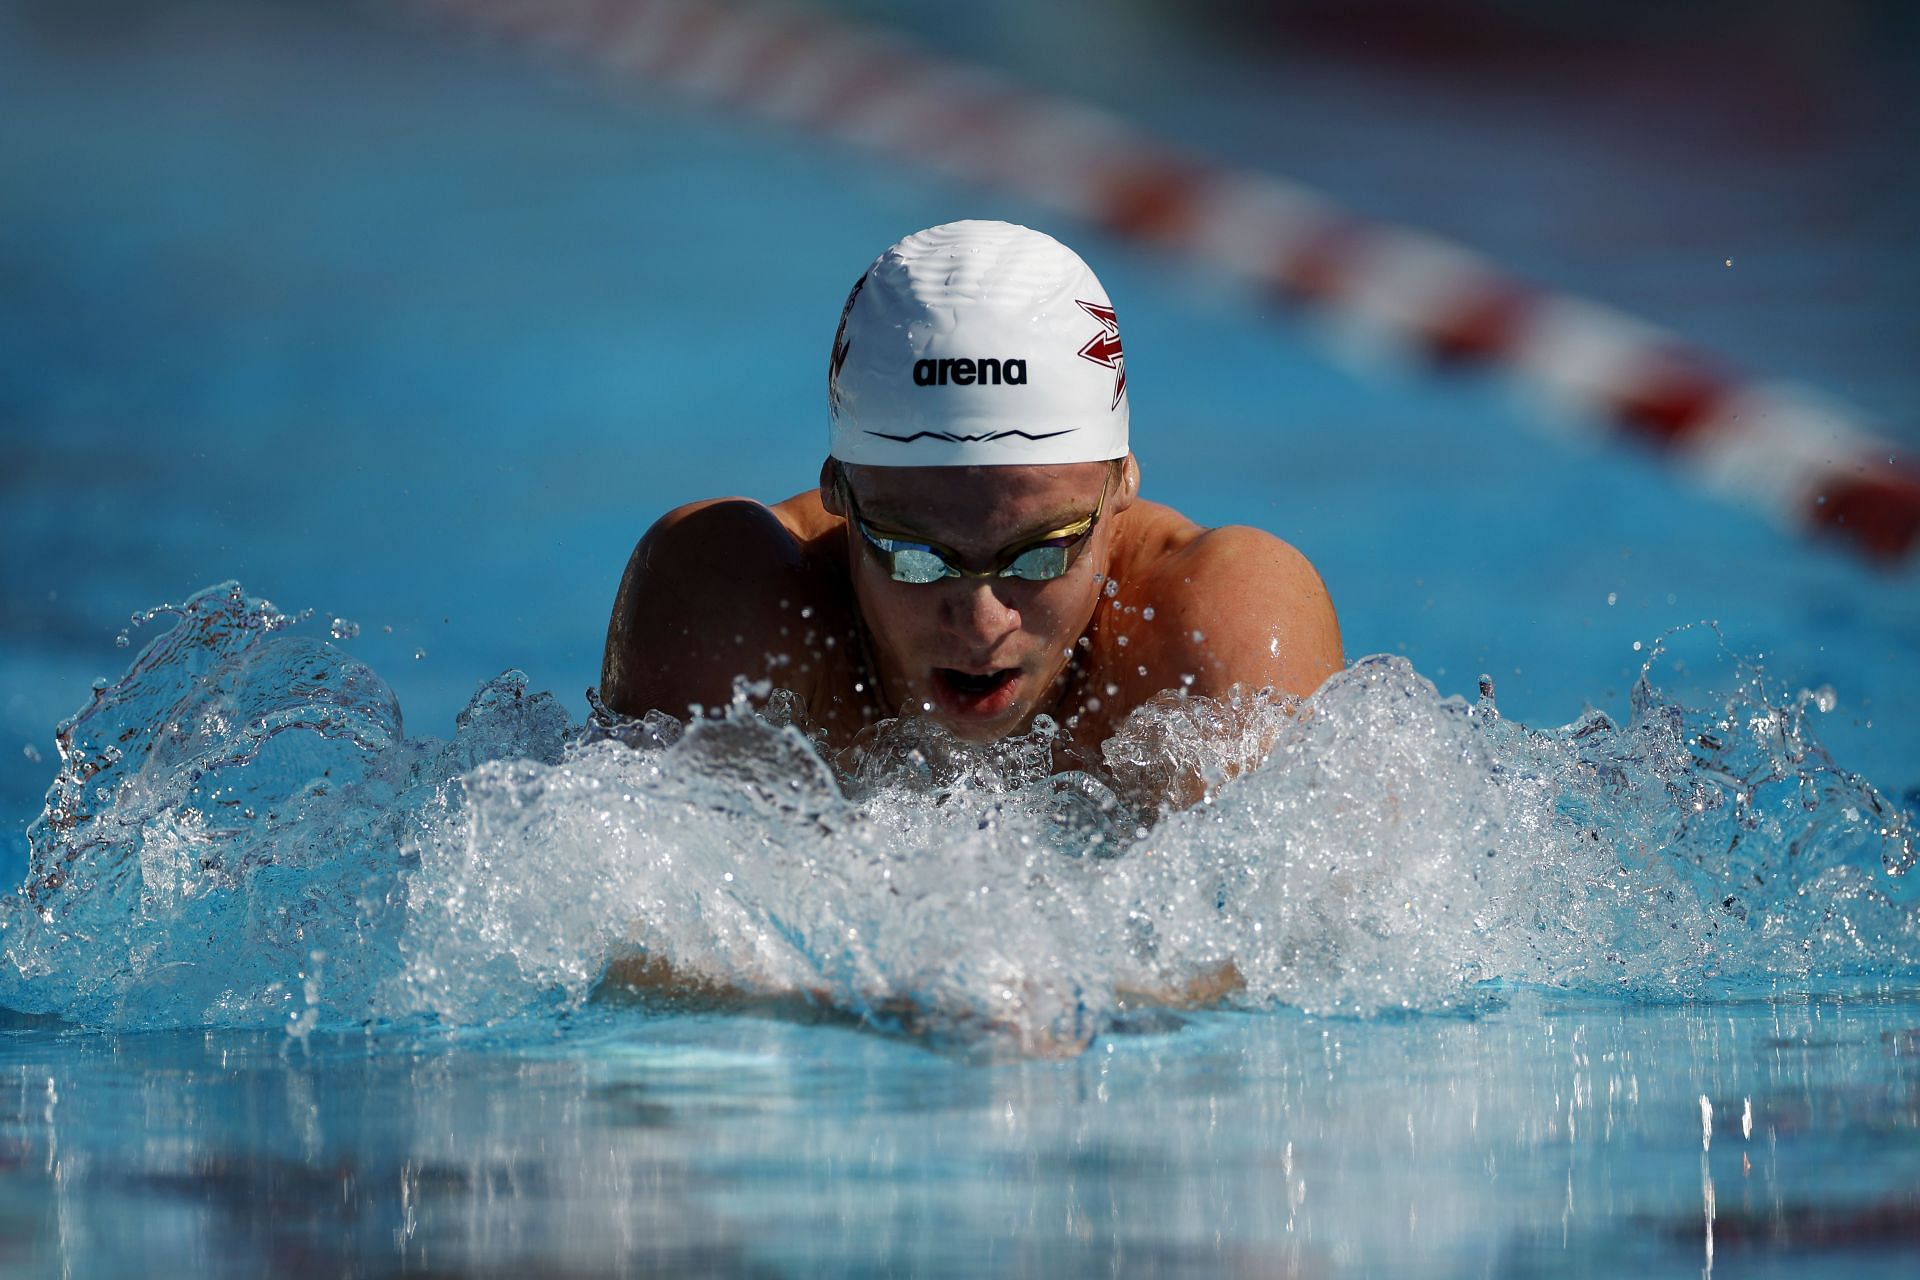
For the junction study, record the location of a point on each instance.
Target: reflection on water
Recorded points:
(1540, 1137)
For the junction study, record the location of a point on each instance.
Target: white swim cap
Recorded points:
(977, 344)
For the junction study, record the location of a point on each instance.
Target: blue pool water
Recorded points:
(413, 334)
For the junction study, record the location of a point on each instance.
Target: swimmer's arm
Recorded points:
(1252, 612)
(641, 975)
(645, 978)
(1205, 991)
(1236, 610)
(700, 606)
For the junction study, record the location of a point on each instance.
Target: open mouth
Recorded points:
(972, 693)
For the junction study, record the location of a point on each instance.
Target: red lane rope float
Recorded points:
(1806, 461)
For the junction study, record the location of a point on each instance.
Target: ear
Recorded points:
(830, 488)
(1129, 483)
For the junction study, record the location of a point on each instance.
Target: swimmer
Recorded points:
(977, 551)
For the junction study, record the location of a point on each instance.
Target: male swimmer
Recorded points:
(977, 551)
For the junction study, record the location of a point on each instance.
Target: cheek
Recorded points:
(1057, 612)
(899, 618)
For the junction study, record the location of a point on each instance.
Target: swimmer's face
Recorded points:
(981, 656)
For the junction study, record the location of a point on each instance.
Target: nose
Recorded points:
(978, 611)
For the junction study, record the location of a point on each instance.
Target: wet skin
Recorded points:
(731, 590)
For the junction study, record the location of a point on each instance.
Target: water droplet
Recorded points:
(1636, 646)
(1613, 598)
(1121, 641)
(31, 752)
(121, 641)
(1147, 613)
(1112, 588)
(418, 654)
(345, 629)
(1199, 637)
(1729, 261)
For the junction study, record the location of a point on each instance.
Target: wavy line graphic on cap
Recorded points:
(979, 439)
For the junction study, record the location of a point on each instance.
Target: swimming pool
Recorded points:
(430, 371)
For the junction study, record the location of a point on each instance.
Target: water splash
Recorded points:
(241, 814)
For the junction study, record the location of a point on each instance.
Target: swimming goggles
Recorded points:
(1043, 559)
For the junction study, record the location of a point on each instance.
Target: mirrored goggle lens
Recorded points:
(924, 565)
(916, 564)
(1038, 564)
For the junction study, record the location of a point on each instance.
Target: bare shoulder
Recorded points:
(706, 598)
(1233, 605)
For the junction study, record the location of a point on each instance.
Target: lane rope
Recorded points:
(1806, 460)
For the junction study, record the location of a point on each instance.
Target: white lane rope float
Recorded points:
(1804, 459)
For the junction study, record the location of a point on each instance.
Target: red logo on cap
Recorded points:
(1104, 347)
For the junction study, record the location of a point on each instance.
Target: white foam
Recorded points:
(1378, 847)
